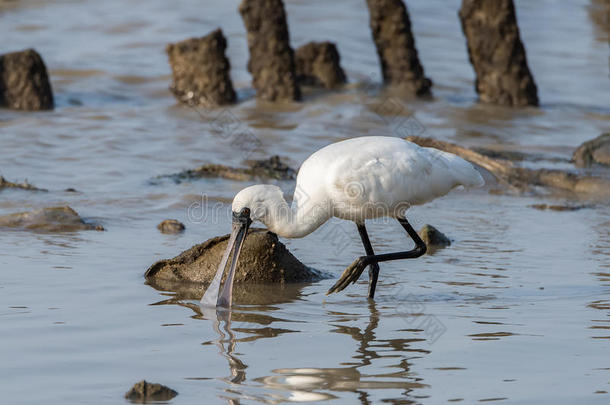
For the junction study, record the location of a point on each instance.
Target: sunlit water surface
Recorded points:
(516, 310)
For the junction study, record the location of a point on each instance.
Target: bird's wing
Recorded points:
(383, 176)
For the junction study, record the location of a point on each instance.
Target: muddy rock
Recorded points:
(271, 57)
(391, 29)
(497, 53)
(263, 259)
(318, 64)
(24, 83)
(200, 71)
(54, 219)
(23, 185)
(143, 392)
(595, 151)
(272, 168)
(433, 238)
(171, 226)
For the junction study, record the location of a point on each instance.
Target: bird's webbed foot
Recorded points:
(350, 275)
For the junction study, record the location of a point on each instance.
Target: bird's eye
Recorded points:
(245, 211)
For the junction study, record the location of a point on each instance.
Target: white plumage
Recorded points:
(358, 179)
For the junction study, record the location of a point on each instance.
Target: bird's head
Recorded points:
(259, 200)
(250, 204)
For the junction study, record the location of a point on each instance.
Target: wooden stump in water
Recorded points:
(271, 57)
(200, 70)
(497, 53)
(391, 29)
(24, 83)
(318, 64)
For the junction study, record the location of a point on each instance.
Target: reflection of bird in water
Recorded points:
(237, 367)
(357, 179)
(308, 382)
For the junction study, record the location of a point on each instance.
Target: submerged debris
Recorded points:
(263, 259)
(23, 185)
(523, 178)
(53, 219)
(171, 226)
(595, 151)
(272, 168)
(433, 238)
(566, 207)
(144, 391)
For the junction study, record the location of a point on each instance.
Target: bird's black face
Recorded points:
(241, 223)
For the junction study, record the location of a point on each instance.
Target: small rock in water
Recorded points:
(24, 83)
(263, 259)
(53, 219)
(144, 391)
(595, 151)
(317, 64)
(433, 237)
(171, 226)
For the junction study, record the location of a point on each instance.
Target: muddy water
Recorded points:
(517, 309)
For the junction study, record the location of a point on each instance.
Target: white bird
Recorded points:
(357, 179)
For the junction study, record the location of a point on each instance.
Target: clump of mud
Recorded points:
(143, 392)
(263, 259)
(272, 168)
(4, 183)
(53, 219)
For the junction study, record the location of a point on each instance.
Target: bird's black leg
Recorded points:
(353, 272)
(373, 267)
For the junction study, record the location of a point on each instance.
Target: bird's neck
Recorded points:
(298, 220)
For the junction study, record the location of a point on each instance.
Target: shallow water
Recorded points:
(517, 309)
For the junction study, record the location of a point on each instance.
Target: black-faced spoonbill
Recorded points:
(357, 179)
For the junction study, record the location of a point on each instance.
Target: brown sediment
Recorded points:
(143, 392)
(171, 226)
(523, 178)
(271, 60)
(497, 53)
(200, 70)
(391, 30)
(53, 219)
(24, 82)
(23, 185)
(318, 64)
(272, 168)
(263, 259)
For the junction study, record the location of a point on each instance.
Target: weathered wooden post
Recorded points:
(497, 53)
